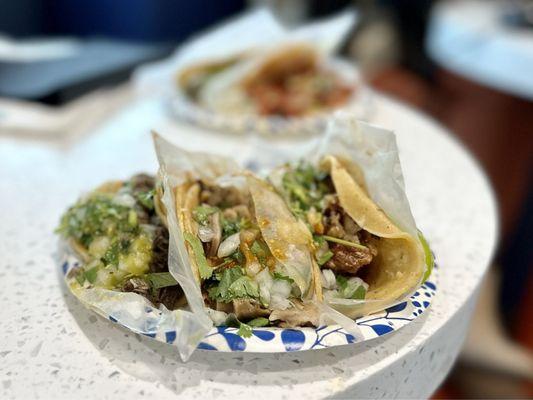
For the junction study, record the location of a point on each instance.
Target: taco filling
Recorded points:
(238, 274)
(295, 86)
(122, 241)
(343, 250)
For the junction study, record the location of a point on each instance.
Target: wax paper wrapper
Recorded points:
(182, 328)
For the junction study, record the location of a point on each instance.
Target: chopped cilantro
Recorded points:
(238, 256)
(204, 268)
(344, 242)
(97, 216)
(90, 274)
(146, 199)
(261, 251)
(258, 322)
(201, 213)
(349, 289)
(233, 285)
(158, 280)
(359, 293)
(245, 330)
(282, 277)
(304, 187)
(324, 258)
(230, 227)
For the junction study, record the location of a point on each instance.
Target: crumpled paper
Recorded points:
(257, 28)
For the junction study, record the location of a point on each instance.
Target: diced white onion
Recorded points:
(218, 317)
(278, 302)
(265, 281)
(253, 268)
(206, 234)
(279, 294)
(356, 282)
(328, 279)
(124, 199)
(281, 288)
(229, 245)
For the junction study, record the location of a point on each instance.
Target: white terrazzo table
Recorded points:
(51, 347)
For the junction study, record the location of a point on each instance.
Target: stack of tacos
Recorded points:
(300, 246)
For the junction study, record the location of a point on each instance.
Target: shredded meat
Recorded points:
(137, 285)
(246, 309)
(346, 259)
(221, 196)
(299, 315)
(142, 183)
(159, 262)
(171, 296)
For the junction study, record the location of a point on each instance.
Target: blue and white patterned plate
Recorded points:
(280, 340)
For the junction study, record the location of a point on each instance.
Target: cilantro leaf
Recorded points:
(245, 330)
(261, 251)
(244, 287)
(281, 277)
(344, 242)
(233, 285)
(204, 268)
(350, 289)
(324, 258)
(201, 213)
(359, 293)
(91, 274)
(158, 280)
(258, 322)
(146, 199)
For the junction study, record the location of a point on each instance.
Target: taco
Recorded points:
(241, 252)
(366, 261)
(249, 261)
(291, 81)
(122, 241)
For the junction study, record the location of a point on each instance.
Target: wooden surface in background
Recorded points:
(496, 127)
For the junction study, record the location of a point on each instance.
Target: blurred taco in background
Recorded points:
(293, 80)
(122, 242)
(367, 262)
(237, 242)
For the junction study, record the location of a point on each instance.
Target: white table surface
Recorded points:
(51, 347)
(469, 38)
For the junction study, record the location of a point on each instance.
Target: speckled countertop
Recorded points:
(51, 347)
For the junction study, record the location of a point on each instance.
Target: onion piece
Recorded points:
(328, 279)
(205, 233)
(229, 245)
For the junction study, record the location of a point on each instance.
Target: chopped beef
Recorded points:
(347, 259)
(142, 183)
(212, 247)
(219, 196)
(170, 296)
(159, 262)
(137, 285)
(332, 220)
(246, 309)
(299, 315)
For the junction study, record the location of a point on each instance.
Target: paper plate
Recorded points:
(360, 104)
(281, 340)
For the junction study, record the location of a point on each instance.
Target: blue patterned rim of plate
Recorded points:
(281, 340)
